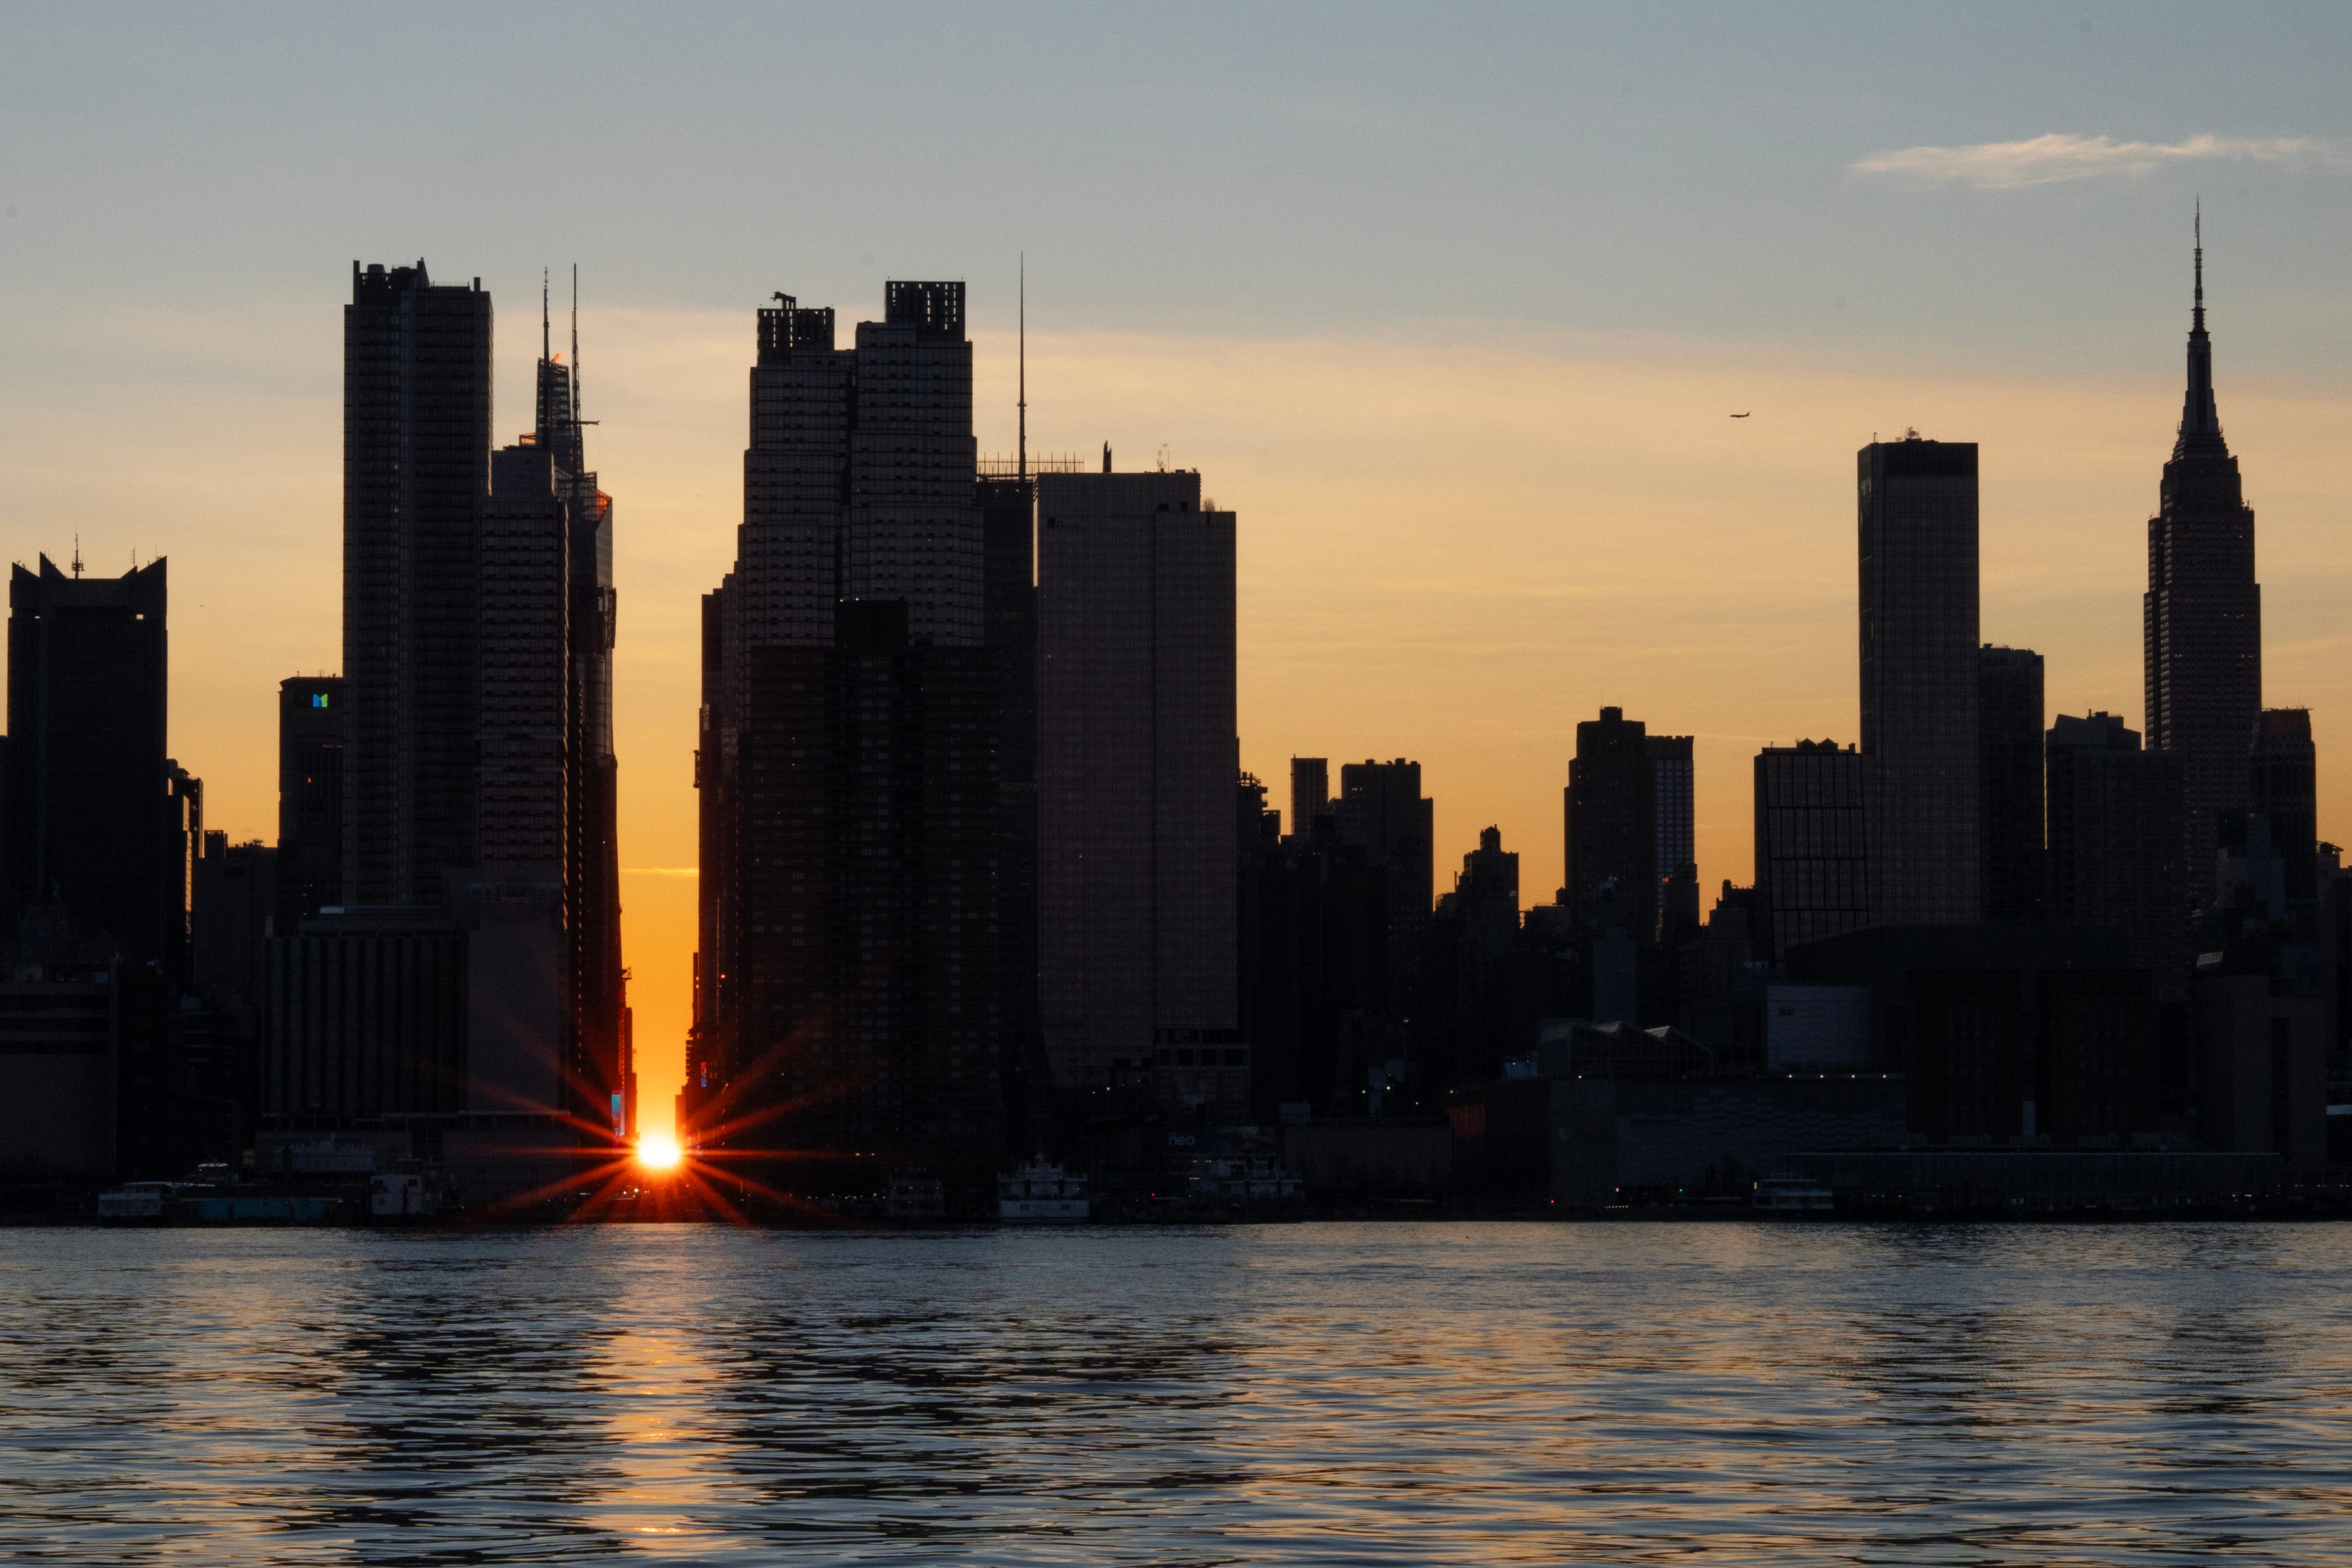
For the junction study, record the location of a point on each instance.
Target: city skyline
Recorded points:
(1438, 563)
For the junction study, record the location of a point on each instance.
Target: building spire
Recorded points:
(2201, 420)
(1024, 366)
(542, 315)
(2198, 315)
(576, 409)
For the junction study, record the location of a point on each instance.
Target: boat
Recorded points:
(1042, 1194)
(1245, 1179)
(138, 1203)
(1792, 1194)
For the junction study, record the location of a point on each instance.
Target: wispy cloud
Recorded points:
(2052, 159)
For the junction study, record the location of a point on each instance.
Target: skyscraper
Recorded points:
(2115, 831)
(1813, 867)
(1611, 808)
(309, 797)
(1383, 812)
(1137, 755)
(1918, 558)
(1008, 509)
(523, 703)
(95, 824)
(2009, 781)
(847, 998)
(2202, 617)
(416, 448)
(598, 1001)
(1310, 790)
(2284, 789)
(1674, 788)
(1631, 844)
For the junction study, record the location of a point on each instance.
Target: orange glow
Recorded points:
(657, 1150)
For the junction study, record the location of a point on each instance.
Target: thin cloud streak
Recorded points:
(2056, 158)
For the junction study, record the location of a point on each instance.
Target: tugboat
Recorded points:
(1042, 1194)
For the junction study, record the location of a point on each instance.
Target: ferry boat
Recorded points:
(138, 1203)
(1792, 1194)
(1042, 1194)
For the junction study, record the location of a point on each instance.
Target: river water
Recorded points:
(1309, 1393)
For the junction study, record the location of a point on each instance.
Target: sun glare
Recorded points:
(657, 1150)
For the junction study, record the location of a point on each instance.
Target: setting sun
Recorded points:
(657, 1150)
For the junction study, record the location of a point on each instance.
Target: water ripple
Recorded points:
(1288, 1394)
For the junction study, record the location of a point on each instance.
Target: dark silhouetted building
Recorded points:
(2009, 781)
(2203, 615)
(2113, 810)
(1674, 782)
(1918, 555)
(1813, 869)
(416, 448)
(98, 817)
(1321, 984)
(1478, 924)
(309, 797)
(1612, 825)
(1383, 812)
(597, 994)
(1008, 506)
(232, 913)
(2285, 793)
(1310, 791)
(847, 986)
(1631, 844)
(1137, 753)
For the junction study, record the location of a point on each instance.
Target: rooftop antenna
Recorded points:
(2200, 262)
(575, 344)
(1025, 367)
(77, 564)
(542, 315)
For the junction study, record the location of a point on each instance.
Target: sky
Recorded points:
(1450, 303)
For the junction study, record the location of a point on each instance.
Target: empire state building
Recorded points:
(2203, 615)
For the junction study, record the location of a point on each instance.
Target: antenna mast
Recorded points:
(1025, 367)
(542, 315)
(576, 409)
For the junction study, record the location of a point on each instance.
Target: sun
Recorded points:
(657, 1150)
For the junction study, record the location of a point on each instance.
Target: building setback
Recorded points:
(1919, 602)
(1137, 758)
(95, 822)
(2202, 617)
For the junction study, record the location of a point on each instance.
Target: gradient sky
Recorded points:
(1449, 302)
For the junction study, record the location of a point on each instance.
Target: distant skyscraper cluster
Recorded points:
(982, 879)
(424, 970)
